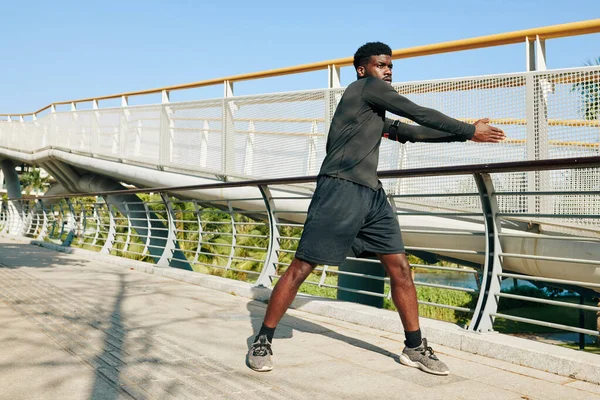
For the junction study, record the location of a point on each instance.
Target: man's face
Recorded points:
(379, 67)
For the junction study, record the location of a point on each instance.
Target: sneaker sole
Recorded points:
(404, 360)
(263, 369)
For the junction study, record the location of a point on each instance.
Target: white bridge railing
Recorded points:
(215, 237)
(546, 115)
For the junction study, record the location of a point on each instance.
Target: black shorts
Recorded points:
(348, 219)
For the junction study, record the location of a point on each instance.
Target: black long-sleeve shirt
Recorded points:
(359, 122)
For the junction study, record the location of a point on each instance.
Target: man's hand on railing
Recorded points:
(487, 133)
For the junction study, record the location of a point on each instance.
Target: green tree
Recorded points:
(589, 90)
(33, 181)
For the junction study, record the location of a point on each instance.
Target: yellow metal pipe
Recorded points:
(547, 32)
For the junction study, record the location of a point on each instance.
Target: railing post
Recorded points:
(167, 131)
(272, 255)
(28, 219)
(487, 303)
(531, 138)
(97, 222)
(95, 128)
(199, 244)
(249, 156)
(149, 227)
(129, 229)
(204, 144)
(41, 226)
(171, 238)
(73, 134)
(83, 223)
(228, 145)
(112, 229)
(311, 160)
(233, 237)
(333, 77)
(71, 224)
(121, 135)
(537, 90)
(2, 217)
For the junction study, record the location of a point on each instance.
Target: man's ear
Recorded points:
(360, 71)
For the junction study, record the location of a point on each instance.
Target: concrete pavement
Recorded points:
(74, 328)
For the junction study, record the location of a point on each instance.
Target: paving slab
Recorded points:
(82, 328)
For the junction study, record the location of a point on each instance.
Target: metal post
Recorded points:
(249, 156)
(112, 229)
(272, 256)
(121, 136)
(70, 224)
(312, 149)
(487, 303)
(228, 145)
(171, 239)
(72, 138)
(204, 144)
(27, 217)
(167, 132)
(43, 231)
(537, 91)
(199, 245)
(147, 243)
(333, 77)
(129, 229)
(531, 138)
(166, 152)
(529, 54)
(581, 323)
(95, 128)
(2, 217)
(97, 222)
(233, 237)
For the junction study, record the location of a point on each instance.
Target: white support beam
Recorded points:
(334, 81)
(540, 54)
(165, 96)
(535, 54)
(227, 89)
(124, 101)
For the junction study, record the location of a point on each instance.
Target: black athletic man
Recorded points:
(349, 212)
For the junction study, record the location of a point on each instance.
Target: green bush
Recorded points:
(529, 291)
(442, 296)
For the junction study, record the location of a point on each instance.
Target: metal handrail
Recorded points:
(492, 270)
(503, 167)
(546, 32)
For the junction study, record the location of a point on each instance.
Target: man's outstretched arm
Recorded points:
(401, 132)
(382, 95)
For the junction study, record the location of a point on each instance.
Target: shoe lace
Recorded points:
(262, 347)
(427, 349)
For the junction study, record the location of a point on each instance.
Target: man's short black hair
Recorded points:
(364, 52)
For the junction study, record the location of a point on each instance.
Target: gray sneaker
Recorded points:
(259, 355)
(423, 358)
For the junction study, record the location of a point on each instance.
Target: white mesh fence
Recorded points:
(278, 135)
(193, 139)
(549, 114)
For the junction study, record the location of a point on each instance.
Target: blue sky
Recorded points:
(65, 50)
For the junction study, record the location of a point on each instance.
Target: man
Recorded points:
(349, 212)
